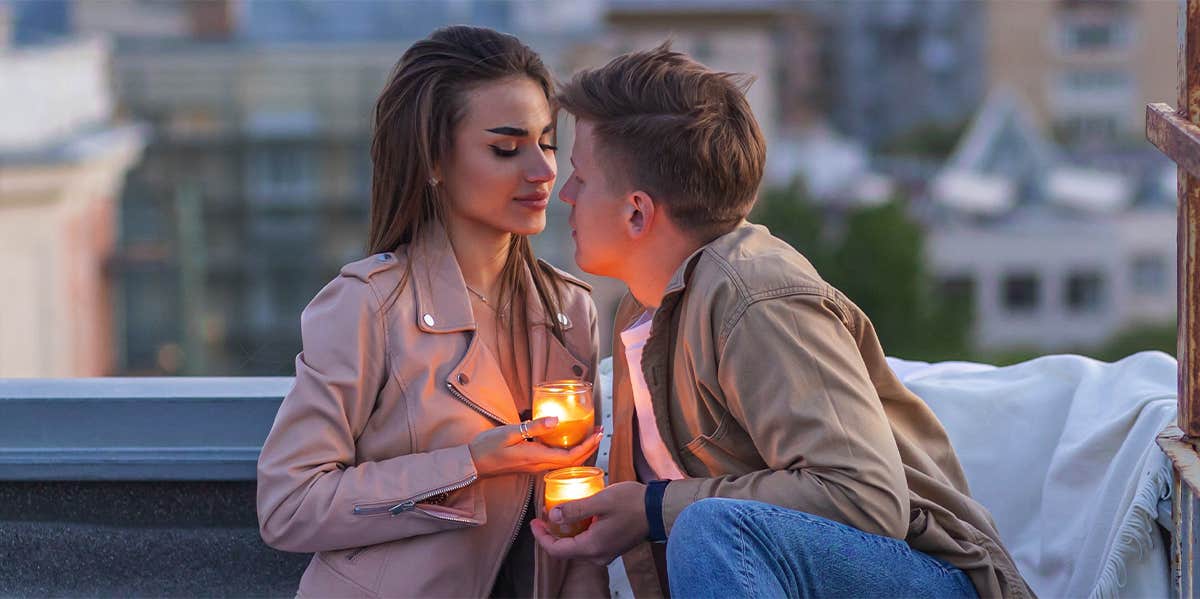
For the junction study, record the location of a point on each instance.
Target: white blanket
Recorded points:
(1061, 450)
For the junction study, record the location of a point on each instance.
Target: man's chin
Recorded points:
(582, 262)
(593, 268)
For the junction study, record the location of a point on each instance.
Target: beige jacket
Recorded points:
(769, 384)
(367, 462)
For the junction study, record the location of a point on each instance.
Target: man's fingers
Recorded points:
(573, 511)
(556, 547)
(566, 547)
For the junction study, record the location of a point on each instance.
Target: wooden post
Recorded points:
(1177, 133)
(1189, 226)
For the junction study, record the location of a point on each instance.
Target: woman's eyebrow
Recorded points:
(517, 131)
(512, 131)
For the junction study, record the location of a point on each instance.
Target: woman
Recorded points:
(400, 456)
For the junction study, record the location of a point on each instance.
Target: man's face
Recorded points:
(598, 224)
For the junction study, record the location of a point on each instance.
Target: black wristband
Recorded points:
(654, 518)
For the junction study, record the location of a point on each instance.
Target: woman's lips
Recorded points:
(534, 201)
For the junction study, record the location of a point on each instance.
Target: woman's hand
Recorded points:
(502, 450)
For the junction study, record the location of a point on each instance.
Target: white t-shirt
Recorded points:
(653, 454)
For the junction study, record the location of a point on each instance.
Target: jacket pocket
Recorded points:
(705, 454)
(345, 573)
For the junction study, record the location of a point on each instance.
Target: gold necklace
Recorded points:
(483, 298)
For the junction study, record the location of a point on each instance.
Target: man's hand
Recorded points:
(620, 523)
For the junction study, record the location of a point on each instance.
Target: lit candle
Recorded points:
(569, 484)
(569, 401)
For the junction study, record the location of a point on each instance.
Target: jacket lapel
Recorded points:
(549, 358)
(443, 307)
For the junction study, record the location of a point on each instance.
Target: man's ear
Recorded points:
(640, 214)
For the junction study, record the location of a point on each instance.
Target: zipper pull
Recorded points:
(402, 507)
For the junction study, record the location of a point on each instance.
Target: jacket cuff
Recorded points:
(677, 496)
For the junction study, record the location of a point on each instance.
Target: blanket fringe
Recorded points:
(1138, 532)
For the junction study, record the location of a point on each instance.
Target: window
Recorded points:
(1150, 274)
(1021, 292)
(1085, 291)
(282, 173)
(1083, 128)
(957, 288)
(1078, 35)
(1093, 80)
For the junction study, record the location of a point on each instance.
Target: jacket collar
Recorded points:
(443, 303)
(679, 279)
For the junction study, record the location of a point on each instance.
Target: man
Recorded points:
(758, 429)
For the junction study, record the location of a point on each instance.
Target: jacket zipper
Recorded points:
(521, 517)
(410, 504)
(463, 398)
(517, 531)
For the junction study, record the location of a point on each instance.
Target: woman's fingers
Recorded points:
(587, 447)
(542, 426)
(533, 428)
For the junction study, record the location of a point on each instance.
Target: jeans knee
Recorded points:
(701, 537)
(704, 522)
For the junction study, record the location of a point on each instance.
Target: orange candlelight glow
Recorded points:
(569, 484)
(571, 402)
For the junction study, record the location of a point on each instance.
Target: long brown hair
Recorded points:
(414, 125)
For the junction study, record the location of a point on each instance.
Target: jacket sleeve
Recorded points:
(792, 377)
(312, 493)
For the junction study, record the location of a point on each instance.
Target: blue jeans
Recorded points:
(725, 548)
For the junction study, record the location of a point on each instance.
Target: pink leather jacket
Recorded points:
(367, 463)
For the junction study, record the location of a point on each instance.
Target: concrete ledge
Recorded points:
(136, 428)
(138, 539)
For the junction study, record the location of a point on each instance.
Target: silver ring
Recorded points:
(524, 428)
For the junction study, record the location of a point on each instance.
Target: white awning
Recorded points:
(1089, 190)
(974, 193)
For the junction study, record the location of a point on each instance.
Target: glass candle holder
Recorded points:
(571, 402)
(569, 484)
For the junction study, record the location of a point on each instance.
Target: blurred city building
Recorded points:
(1087, 69)
(1054, 250)
(63, 161)
(255, 187)
(893, 66)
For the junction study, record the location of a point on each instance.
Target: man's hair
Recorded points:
(669, 126)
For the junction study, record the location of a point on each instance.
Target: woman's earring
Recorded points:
(433, 181)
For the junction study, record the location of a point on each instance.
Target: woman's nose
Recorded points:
(541, 171)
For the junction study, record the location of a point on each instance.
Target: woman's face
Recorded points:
(501, 169)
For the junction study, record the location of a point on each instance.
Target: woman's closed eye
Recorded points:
(504, 152)
(513, 151)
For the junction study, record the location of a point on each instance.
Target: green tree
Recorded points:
(878, 262)
(790, 216)
(930, 140)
